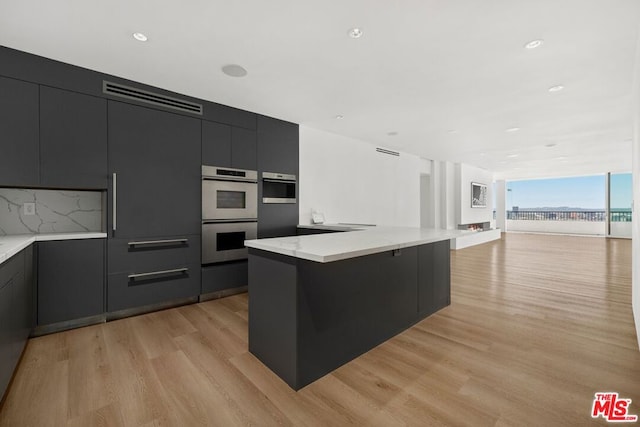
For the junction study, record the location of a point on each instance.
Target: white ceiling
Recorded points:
(450, 76)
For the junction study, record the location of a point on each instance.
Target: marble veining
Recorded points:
(56, 211)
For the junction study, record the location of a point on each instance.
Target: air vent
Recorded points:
(389, 152)
(156, 99)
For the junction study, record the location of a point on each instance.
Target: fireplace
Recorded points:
(476, 226)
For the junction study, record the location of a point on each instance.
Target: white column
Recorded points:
(501, 205)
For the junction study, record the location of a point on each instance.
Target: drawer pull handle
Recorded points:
(158, 273)
(159, 242)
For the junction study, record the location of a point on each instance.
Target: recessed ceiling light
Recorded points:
(556, 88)
(553, 144)
(234, 70)
(511, 156)
(355, 33)
(339, 117)
(512, 130)
(534, 44)
(483, 154)
(392, 133)
(140, 37)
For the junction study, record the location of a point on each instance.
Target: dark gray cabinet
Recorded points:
(229, 146)
(156, 158)
(73, 139)
(278, 151)
(219, 277)
(277, 146)
(16, 312)
(434, 283)
(152, 271)
(19, 133)
(71, 278)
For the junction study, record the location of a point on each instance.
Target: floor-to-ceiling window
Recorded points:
(620, 200)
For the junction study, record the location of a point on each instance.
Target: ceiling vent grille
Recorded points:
(156, 99)
(389, 152)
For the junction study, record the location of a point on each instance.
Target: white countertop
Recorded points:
(363, 240)
(11, 245)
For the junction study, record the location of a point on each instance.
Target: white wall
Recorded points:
(348, 181)
(467, 175)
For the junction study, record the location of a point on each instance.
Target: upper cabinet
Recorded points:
(277, 146)
(155, 156)
(73, 139)
(19, 133)
(229, 146)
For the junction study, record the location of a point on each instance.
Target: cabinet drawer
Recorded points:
(149, 254)
(224, 276)
(149, 287)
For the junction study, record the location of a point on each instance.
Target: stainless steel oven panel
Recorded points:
(225, 241)
(212, 208)
(278, 188)
(229, 174)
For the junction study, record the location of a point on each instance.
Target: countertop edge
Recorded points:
(256, 244)
(22, 241)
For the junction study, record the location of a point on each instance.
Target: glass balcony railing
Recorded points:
(591, 216)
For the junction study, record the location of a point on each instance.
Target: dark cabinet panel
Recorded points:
(153, 287)
(161, 253)
(224, 276)
(73, 139)
(277, 146)
(156, 158)
(277, 220)
(19, 133)
(216, 144)
(14, 307)
(70, 280)
(244, 149)
(229, 146)
(434, 284)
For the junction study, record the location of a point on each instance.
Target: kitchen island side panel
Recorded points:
(350, 306)
(273, 332)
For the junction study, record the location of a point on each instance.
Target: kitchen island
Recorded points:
(318, 301)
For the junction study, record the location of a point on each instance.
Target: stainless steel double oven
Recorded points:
(229, 212)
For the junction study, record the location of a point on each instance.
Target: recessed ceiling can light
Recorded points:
(534, 44)
(556, 88)
(339, 117)
(512, 130)
(512, 156)
(355, 33)
(553, 144)
(140, 37)
(234, 70)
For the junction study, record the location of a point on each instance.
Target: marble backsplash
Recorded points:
(56, 211)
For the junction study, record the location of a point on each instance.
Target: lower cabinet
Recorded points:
(152, 271)
(434, 277)
(16, 312)
(71, 277)
(220, 277)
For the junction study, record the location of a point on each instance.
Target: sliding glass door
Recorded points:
(619, 204)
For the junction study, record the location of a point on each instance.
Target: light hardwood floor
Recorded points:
(537, 325)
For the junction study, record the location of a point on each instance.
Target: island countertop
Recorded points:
(11, 245)
(354, 240)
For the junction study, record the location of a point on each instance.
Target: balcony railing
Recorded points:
(590, 216)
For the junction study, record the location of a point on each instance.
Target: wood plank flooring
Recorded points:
(537, 325)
